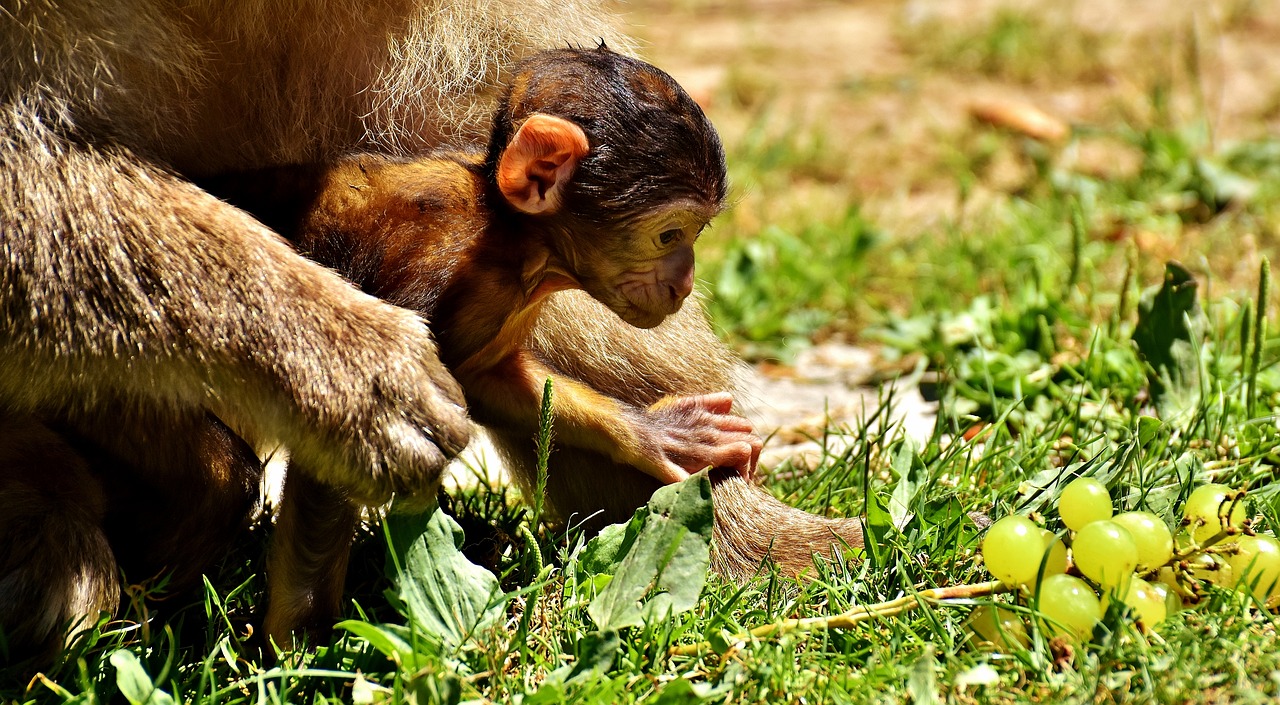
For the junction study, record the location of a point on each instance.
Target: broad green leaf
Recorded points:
(596, 691)
(546, 694)
(603, 553)
(665, 565)
(1170, 328)
(1221, 186)
(1148, 427)
(438, 589)
(390, 640)
(720, 642)
(435, 689)
(879, 527)
(134, 683)
(682, 690)
(596, 654)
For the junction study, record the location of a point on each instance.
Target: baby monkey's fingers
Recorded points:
(697, 432)
(711, 447)
(732, 423)
(740, 455)
(737, 432)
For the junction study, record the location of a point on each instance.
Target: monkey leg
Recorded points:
(57, 570)
(307, 564)
(181, 487)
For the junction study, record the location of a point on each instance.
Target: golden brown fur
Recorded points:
(209, 85)
(53, 535)
(124, 286)
(434, 234)
(138, 313)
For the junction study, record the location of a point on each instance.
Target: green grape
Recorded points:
(1172, 602)
(1256, 566)
(998, 626)
(1105, 552)
(1155, 544)
(1056, 560)
(1053, 556)
(1207, 511)
(1147, 601)
(1067, 602)
(1082, 501)
(1012, 550)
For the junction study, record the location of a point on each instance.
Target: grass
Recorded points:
(1022, 295)
(1018, 46)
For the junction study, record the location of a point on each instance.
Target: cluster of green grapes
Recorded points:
(1132, 557)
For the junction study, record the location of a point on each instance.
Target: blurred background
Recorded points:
(893, 160)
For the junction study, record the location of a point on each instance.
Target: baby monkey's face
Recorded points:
(645, 269)
(613, 170)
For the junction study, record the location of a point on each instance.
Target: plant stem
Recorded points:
(545, 437)
(857, 615)
(1259, 332)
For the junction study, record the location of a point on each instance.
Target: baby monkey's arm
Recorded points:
(669, 440)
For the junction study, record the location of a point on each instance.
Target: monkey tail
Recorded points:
(753, 526)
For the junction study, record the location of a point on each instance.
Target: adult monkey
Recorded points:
(138, 313)
(133, 305)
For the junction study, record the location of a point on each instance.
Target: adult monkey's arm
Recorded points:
(124, 286)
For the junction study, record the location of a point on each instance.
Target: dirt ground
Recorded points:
(887, 81)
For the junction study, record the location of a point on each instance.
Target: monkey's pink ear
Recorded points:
(538, 161)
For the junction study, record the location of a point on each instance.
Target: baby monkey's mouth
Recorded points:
(641, 317)
(644, 304)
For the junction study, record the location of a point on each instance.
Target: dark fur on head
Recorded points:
(617, 95)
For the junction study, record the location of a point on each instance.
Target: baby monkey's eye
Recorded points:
(669, 236)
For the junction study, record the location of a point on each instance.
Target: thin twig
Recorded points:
(857, 615)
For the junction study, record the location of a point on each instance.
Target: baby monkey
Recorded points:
(600, 174)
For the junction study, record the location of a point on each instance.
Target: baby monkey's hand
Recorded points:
(687, 434)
